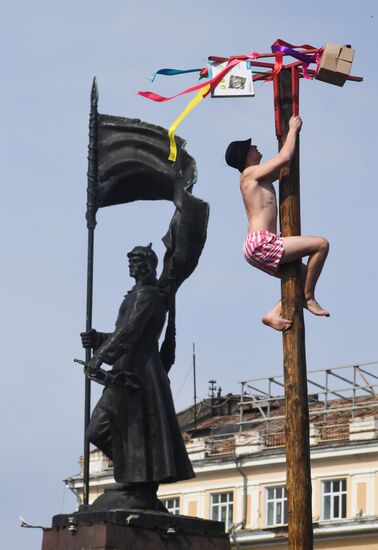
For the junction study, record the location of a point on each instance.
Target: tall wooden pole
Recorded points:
(296, 400)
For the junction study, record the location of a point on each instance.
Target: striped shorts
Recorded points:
(264, 250)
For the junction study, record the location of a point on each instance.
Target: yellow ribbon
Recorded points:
(171, 132)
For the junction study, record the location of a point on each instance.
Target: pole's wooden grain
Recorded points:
(296, 402)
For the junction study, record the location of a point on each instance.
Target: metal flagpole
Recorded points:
(195, 386)
(91, 224)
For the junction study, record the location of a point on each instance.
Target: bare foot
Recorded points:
(313, 307)
(277, 322)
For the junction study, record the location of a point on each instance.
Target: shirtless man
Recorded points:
(263, 248)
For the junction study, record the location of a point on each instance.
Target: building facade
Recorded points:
(237, 451)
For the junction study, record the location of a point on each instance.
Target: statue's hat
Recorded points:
(145, 252)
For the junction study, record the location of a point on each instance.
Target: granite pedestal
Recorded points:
(133, 529)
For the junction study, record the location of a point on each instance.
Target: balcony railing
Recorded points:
(274, 439)
(331, 432)
(222, 446)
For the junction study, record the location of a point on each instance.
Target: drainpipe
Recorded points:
(243, 522)
(245, 483)
(233, 536)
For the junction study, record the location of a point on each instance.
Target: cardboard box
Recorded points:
(236, 83)
(335, 64)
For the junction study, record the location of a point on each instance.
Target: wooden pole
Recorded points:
(296, 401)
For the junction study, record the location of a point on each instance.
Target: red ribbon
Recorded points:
(279, 48)
(232, 61)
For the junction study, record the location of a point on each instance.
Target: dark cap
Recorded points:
(145, 252)
(236, 154)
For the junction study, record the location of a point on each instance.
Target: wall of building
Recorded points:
(360, 472)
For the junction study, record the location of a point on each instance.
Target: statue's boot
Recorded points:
(130, 496)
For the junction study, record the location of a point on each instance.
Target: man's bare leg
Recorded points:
(311, 305)
(317, 250)
(273, 319)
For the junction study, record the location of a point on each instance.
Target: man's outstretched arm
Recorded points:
(271, 169)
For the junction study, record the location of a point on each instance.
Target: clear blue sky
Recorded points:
(49, 53)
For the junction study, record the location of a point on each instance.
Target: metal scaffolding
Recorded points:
(336, 396)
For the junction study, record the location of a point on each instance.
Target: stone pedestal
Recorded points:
(136, 530)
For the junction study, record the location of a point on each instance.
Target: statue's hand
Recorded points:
(88, 339)
(94, 364)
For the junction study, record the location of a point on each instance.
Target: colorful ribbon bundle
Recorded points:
(279, 49)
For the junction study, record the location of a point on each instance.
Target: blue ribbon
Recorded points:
(171, 72)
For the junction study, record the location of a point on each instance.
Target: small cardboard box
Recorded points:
(335, 64)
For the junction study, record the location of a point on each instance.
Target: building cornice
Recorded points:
(263, 458)
(266, 458)
(321, 531)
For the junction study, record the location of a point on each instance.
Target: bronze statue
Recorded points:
(134, 423)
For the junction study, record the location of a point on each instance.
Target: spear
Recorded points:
(91, 224)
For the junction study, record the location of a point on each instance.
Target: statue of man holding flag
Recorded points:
(134, 423)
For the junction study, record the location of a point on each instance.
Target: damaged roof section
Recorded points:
(344, 407)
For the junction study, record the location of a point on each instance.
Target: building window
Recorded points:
(171, 504)
(276, 505)
(222, 508)
(334, 499)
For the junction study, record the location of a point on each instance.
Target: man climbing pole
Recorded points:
(263, 247)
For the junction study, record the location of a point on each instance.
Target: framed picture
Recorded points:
(236, 83)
